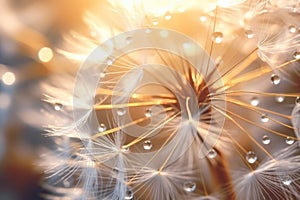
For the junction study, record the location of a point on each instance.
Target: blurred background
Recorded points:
(30, 31)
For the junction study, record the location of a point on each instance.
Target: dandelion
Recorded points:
(167, 106)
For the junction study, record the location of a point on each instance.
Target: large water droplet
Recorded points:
(275, 79)
(129, 195)
(58, 106)
(212, 153)
(189, 186)
(297, 101)
(266, 139)
(147, 145)
(148, 113)
(249, 34)
(217, 37)
(254, 101)
(102, 128)
(289, 140)
(296, 55)
(264, 118)
(121, 111)
(292, 29)
(155, 22)
(286, 180)
(280, 99)
(251, 157)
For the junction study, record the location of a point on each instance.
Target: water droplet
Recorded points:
(102, 128)
(129, 195)
(155, 22)
(286, 180)
(280, 99)
(121, 111)
(289, 140)
(147, 145)
(297, 101)
(66, 183)
(58, 106)
(249, 34)
(266, 139)
(148, 113)
(264, 118)
(45, 54)
(189, 186)
(8, 78)
(251, 157)
(203, 18)
(217, 37)
(296, 55)
(128, 39)
(168, 16)
(254, 101)
(212, 153)
(102, 74)
(125, 149)
(292, 29)
(275, 79)
(109, 61)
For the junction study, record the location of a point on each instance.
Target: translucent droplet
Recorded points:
(125, 149)
(102, 128)
(275, 79)
(289, 140)
(203, 18)
(102, 74)
(286, 180)
(296, 55)
(121, 111)
(264, 118)
(297, 101)
(45, 54)
(217, 37)
(249, 34)
(109, 61)
(155, 22)
(168, 16)
(148, 113)
(189, 186)
(292, 29)
(212, 153)
(66, 183)
(129, 195)
(58, 106)
(8, 78)
(147, 145)
(254, 101)
(266, 139)
(251, 157)
(280, 99)
(128, 39)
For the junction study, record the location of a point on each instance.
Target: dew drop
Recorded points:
(217, 37)
(168, 16)
(203, 18)
(147, 145)
(266, 139)
(286, 180)
(280, 99)
(249, 34)
(58, 106)
(297, 101)
(148, 113)
(128, 39)
(292, 29)
(212, 153)
(109, 61)
(264, 118)
(102, 128)
(121, 111)
(275, 79)
(125, 149)
(289, 140)
(129, 195)
(254, 101)
(251, 157)
(155, 22)
(102, 74)
(296, 55)
(189, 186)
